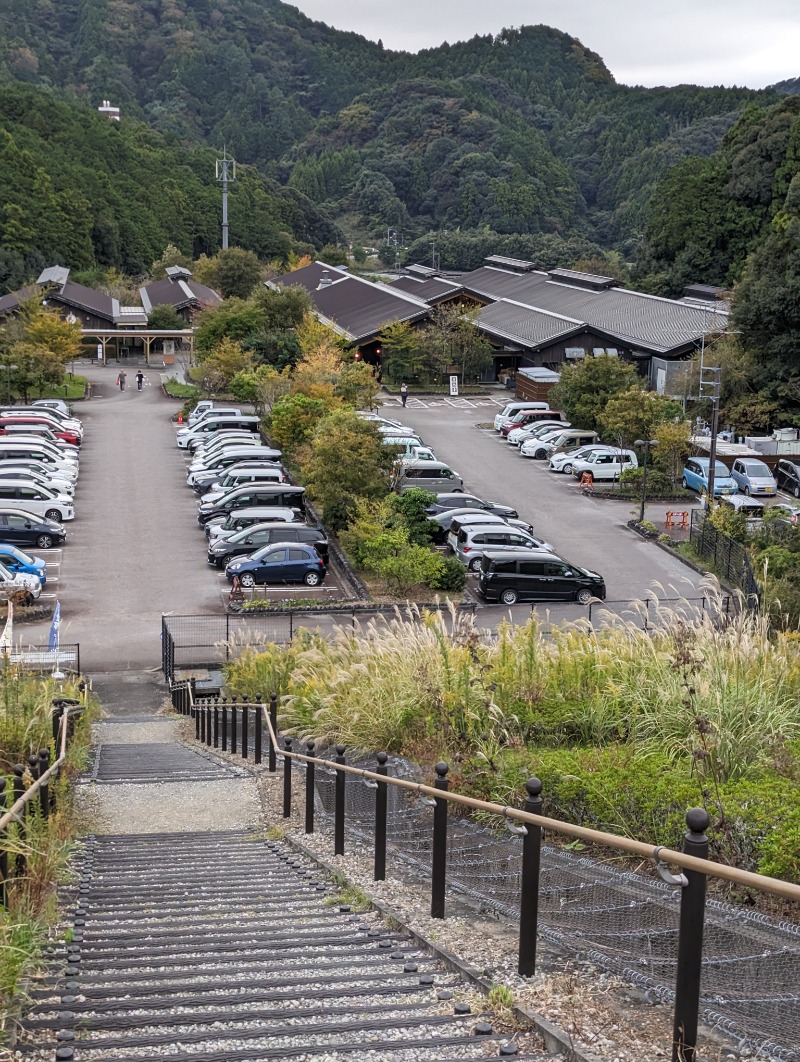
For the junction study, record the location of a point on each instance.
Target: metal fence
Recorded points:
(67, 657)
(730, 559)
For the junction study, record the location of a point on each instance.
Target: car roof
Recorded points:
(523, 554)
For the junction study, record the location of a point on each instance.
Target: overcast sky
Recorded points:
(702, 42)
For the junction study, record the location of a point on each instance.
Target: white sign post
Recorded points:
(99, 351)
(454, 387)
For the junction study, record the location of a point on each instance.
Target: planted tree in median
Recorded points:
(586, 387)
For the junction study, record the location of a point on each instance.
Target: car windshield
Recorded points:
(719, 470)
(757, 469)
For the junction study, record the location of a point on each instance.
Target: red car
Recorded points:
(530, 416)
(18, 423)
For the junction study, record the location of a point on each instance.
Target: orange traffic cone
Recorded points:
(180, 417)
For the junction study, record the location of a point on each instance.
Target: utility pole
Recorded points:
(226, 171)
(710, 388)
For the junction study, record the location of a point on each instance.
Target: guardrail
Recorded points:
(226, 724)
(41, 772)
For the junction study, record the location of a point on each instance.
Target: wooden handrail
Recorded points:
(14, 811)
(785, 889)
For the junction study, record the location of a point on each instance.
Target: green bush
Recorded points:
(657, 483)
(451, 576)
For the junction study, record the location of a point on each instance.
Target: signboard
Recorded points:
(454, 386)
(99, 351)
(169, 346)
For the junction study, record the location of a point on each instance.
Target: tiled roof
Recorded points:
(54, 275)
(638, 321)
(432, 290)
(521, 324)
(178, 293)
(11, 302)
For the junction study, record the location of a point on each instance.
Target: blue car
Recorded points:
(695, 477)
(17, 560)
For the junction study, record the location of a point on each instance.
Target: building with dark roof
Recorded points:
(180, 291)
(94, 309)
(356, 309)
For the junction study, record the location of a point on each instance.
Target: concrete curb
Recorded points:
(556, 1041)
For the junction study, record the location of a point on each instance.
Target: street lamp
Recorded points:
(646, 443)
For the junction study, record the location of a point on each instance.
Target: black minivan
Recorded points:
(252, 495)
(528, 576)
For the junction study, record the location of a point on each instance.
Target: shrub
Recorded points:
(451, 576)
(657, 483)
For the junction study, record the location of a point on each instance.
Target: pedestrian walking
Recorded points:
(139, 380)
(404, 393)
(121, 379)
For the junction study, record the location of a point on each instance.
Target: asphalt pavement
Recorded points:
(585, 530)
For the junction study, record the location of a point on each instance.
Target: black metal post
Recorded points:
(259, 734)
(196, 711)
(216, 725)
(529, 890)
(245, 730)
(209, 717)
(19, 789)
(310, 768)
(203, 723)
(233, 727)
(338, 807)
(3, 852)
(273, 718)
(439, 863)
(44, 790)
(287, 780)
(690, 941)
(381, 792)
(224, 713)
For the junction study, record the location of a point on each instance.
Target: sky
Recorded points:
(751, 43)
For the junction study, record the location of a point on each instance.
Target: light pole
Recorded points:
(646, 443)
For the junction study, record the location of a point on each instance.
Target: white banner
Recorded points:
(454, 386)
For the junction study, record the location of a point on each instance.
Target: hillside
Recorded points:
(523, 131)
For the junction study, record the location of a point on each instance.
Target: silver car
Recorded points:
(476, 539)
(753, 476)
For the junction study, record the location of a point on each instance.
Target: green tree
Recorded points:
(635, 414)
(293, 420)
(170, 256)
(357, 385)
(216, 371)
(453, 343)
(234, 272)
(333, 255)
(403, 352)
(232, 319)
(410, 506)
(347, 462)
(672, 439)
(261, 387)
(585, 388)
(165, 316)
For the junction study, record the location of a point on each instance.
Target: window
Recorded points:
(277, 557)
(517, 540)
(504, 567)
(531, 568)
(298, 555)
(558, 569)
(495, 538)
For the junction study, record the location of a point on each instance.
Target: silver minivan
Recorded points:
(510, 410)
(428, 475)
(474, 518)
(542, 449)
(476, 539)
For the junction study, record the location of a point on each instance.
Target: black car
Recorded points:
(253, 494)
(254, 538)
(282, 563)
(787, 475)
(469, 501)
(25, 529)
(533, 576)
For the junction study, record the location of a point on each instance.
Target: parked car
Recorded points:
(239, 477)
(26, 529)
(465, 501)
(225, 526)
(787, 475)
(54, 416)
(531, 576)
(784, 511)
(405, 445)
(17, 560)
(30, 586)
(190, 438)
(605, 464)
(33, 498)
(253, 494)
(527, 417)
(540, 428)
(753, 476)
(510, 410)
(418, 453)
(53, 403)
(203, 478)
(21, 422)
(695, 476)
(201, 411)
(751, 510)
(480, 518)
(229, 456)
(19, 471)
(38, 449)
(543, 449)
(249, 539)
(444, 521)
(435, 476)
(563, 460)
(473, 540)
(278, 564)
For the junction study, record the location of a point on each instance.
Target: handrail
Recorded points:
(761, 882)
(13, 813)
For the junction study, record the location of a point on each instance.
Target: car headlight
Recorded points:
(234, 567)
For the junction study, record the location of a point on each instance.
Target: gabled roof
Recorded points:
(177, 291)
(356, 308)
(520, 324)
(11, 303)
(65, 291)
(431, 290)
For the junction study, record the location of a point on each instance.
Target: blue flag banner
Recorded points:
(53, 643)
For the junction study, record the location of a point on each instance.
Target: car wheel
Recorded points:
(474, 564)
(509, 597)
(540, 455)
(53, 514)
(747, 491)
(248, 579)
(684, 484)
(44, 541)
(458, 490)
(796, 490)
(312, 579)
(583, 597)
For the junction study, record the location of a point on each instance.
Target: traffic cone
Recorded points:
(180, 417)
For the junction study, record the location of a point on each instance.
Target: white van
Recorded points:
(605, 464)
(37, 499)
(510, 410)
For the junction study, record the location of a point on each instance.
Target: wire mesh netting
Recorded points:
(621, 921)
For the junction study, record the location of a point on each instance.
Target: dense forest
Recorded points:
(523, 132)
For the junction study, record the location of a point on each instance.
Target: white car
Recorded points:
(42, 501)
(563, 462)
(60, 486)
(606, 466)
(12, 582)
(517, 436)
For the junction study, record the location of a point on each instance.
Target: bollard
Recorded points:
(209, 735)
(690, 941)
(310, 767)
(439, 861)
(196, 714)
(273, 718)
(338, 808)
(57, 715)
(19, 789)
(381, 793)
(529, 884)
(245, 730)
(258, 723)
(33, 766)
(287, 780)
(44, 790)
(224, 714)
(3, 852)
(216, 725)
(203, 723)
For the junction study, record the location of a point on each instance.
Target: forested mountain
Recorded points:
(522, 132)
(78, 189)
